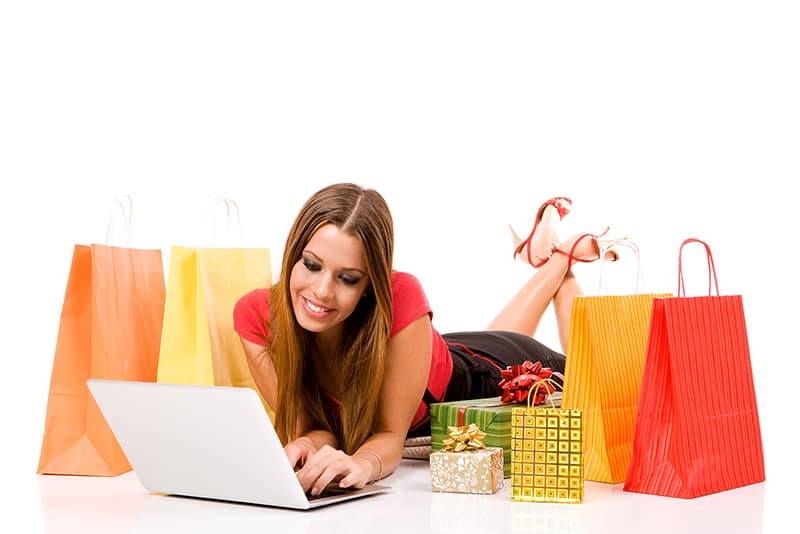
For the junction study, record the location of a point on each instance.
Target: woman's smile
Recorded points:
(315, 309)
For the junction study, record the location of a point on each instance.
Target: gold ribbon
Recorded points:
(461, 438)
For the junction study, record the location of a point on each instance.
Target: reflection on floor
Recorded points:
(120, 506)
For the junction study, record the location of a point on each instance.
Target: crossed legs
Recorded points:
(553, 282)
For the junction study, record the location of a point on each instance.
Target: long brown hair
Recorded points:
(362, 213)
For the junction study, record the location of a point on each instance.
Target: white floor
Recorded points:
(120, 505)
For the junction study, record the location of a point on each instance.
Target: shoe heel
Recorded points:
(516, 239)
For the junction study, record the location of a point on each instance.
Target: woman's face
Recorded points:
(329, 280)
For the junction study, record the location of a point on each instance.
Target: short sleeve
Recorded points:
(251, 317)
(409, 302)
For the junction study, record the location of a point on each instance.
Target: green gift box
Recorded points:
(491, 416)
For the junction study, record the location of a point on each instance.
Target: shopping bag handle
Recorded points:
(124, 206)
(534, 391)
(231, 218)
(712, 272)
(625, 243)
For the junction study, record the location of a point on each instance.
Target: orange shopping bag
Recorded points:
(110, 328)
(605, 358)
(697, 429)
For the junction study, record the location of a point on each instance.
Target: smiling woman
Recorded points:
(344, 350)
(328, 283)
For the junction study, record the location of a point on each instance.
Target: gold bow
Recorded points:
(461, 438)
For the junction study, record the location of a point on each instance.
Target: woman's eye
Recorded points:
(310, 265)
(350, 281)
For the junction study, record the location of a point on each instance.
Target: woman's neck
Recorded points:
(326, 361)
(327, 343)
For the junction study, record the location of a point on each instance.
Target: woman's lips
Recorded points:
(315, 309)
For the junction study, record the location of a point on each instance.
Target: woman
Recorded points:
(343, 349)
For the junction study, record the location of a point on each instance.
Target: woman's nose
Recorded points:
(324, 286)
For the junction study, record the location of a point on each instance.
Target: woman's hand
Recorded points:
(299, 451)
(328, 464)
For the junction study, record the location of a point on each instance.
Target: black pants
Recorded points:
(477, 360)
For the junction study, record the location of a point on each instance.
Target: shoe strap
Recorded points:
(571, 256)
(562, 211)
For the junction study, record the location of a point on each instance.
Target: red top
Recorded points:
(251, 315)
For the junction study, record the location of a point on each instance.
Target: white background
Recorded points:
(663, 121)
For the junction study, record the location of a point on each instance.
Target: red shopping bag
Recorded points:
(697, 429)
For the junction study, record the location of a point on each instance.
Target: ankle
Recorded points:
(584, 247)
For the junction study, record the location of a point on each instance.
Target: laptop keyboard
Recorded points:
(330, 490)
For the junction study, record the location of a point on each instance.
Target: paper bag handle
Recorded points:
(712, 272)
(232, 219)
(535, 391)
(625, 243)
(124, 205)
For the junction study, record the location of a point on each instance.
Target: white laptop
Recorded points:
(212, 442)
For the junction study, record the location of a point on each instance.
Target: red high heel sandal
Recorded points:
(571, 258)
(563, 205)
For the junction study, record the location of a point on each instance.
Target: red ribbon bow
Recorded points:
(518, 380)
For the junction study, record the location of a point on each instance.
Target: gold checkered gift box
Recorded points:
(547, 455)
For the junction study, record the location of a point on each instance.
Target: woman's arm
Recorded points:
(408, 365)
(404, 385)
(263, 372)
(260, 364)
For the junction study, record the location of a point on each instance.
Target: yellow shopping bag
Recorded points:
(605, 360)
(198, 342)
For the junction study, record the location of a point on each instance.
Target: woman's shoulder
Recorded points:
(257, 298)
(251, 306)
(408, 301)
(407, 293)
(404, 281)
(251, 315)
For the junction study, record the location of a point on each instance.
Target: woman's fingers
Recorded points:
(358, 476)
(328, 464)
(298, 452)
(312, 475)
(293, 454)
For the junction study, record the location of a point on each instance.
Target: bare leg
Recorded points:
(562, 305)
(523, 313)
(552, 282)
